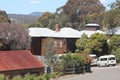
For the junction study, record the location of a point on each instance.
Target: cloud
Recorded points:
(34, 1)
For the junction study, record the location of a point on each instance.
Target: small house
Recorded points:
(19, 62)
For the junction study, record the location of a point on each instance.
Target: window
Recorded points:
(60, 44)
(111, 58)
(103, 59)
(55, 43)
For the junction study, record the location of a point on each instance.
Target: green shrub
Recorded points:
(2, 77)
(17, 77)
(117, 54)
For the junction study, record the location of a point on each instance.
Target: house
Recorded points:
(19, 62)
(115, 31)
(39, 37)
(91, 29)
(64, 39)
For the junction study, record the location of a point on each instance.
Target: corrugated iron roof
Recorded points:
(18, 59)
(67, 33)
(40, 32)
(89, 33)
(45, 32)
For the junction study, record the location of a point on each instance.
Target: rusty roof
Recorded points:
(18, 59)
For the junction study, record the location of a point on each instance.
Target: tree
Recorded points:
(64, 21)
(14, 37)
(114, 42)
(117, 54)
(4, 17)
(112, 20)
(115, 5)
(43, 21)
(112, 17)
(50, 55)
(97, 44)
(81, 43)
(77, 10)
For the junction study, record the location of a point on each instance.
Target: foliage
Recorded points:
(13, 37)
(67, 60)
(2, 77)
(64, 21)
(97, 44)
(115, 5)
(81, 43)
(71, 60)
(43, 21)
(114, 42)
(58, 67)
(82, 11)
(4, 17)
(31, 77)
(93, 46)
(50, 55)
(112, 20)
(18, 77)
(117, 54)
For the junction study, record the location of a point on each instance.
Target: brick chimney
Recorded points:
(57, 27)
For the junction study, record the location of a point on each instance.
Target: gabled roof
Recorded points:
(63, 33)
(67, 33)
(40, 32)
(17, 60)
(89, 33)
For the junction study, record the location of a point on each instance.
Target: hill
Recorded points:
(25, 18)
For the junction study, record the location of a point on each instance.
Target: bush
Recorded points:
(58, 67)
(2, 77)
(30, 77)
(75, 61)
(14, 37)
(117, 54)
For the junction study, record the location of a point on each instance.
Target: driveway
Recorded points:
(98, 73)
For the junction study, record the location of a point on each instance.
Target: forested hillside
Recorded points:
(26, 18)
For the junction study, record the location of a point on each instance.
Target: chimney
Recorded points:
(57, 27)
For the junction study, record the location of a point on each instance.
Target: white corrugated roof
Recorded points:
(89, 33)
(40, 32)
(45, 32)
(116, 31)
(92, 24)
(67, 33)
(63, 33)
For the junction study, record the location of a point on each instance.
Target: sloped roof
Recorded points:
(89, 33)
(116, 30)
(92, 24)
(45, 32)
(67, 33)
(40, 32)
(17, 60)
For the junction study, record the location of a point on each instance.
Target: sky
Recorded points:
(28, 6)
